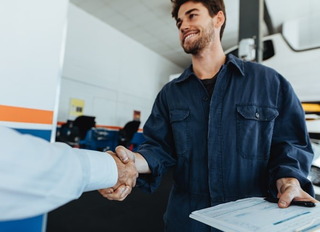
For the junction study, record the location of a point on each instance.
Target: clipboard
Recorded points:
(257, 215)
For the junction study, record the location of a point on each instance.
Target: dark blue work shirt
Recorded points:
(235, 145)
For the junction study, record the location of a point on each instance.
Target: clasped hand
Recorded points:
(127, 175)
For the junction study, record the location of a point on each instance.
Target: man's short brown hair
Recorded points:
(213, 6)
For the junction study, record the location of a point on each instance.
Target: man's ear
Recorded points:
(220, 18)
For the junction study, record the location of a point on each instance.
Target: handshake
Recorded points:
(127, 175)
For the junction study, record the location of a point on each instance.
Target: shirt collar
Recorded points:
(185, 75)
(231, 59)
(236, 62)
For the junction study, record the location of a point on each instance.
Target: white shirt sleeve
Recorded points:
(37, 177)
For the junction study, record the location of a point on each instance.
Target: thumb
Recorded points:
(123, 154)
(285, 200)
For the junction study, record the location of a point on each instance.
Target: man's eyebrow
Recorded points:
(187, 13)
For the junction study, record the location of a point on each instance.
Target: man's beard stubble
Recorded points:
(195, 47)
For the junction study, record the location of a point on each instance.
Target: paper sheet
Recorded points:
(258, 215)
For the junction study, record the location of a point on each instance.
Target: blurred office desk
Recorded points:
(99, 139)
(140, 212)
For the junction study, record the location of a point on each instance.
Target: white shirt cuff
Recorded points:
(103, 171)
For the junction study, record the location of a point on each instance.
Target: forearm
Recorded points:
(44, 176)
(141, 164)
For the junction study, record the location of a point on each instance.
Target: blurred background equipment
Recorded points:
(247, 49)
(312, 111)
(99, 139)
(83, 133)
(73, 131)
(127, 132)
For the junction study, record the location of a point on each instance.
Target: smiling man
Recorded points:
(195, 39)
(231, 129)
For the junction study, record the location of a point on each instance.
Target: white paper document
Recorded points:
(258, 215)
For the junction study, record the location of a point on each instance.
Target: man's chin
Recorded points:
(192, 51)
(191, 48)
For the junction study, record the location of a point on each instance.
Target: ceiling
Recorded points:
(150, 23)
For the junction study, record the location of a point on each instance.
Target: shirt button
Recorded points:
(205, 98)
(257, 115)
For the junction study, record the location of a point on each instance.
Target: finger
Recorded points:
(286, 197)
(134, 183)
(122, 154)
(105, 191)
(110, 152)
(122, 193)
(284, 201)
(135, 178)
(305, 197)
(125, 193)
(311, 199)
(117, 194)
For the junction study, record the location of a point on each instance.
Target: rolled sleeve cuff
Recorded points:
(150, 182)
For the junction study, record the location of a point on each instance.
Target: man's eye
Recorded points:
(178, 25)
(191, 16)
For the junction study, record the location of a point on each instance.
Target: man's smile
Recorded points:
(188, 36)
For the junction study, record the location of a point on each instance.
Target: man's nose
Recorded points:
(184, 27)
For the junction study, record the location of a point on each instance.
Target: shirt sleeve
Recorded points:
(291, 151)
(37, 177)
(158, 148)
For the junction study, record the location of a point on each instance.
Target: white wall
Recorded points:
(31, 48)
(111, 72)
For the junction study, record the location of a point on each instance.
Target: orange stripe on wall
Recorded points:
(26, 115)
(116, 128)
(103, 126)
(110, 127)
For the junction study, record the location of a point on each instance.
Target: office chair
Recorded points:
(84, 123)
(127, 132)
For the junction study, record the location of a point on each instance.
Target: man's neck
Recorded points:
(208, 62)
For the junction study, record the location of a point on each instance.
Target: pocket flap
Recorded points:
(259, 113)
(178, 115)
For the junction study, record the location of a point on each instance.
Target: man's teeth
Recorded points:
(189, 36)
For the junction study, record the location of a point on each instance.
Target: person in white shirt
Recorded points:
(37, 177)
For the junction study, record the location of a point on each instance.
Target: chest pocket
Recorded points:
(179, 124)
(254, 130)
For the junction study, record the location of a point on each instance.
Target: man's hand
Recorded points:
(289, 189)
(127, 175)
(125, 155)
